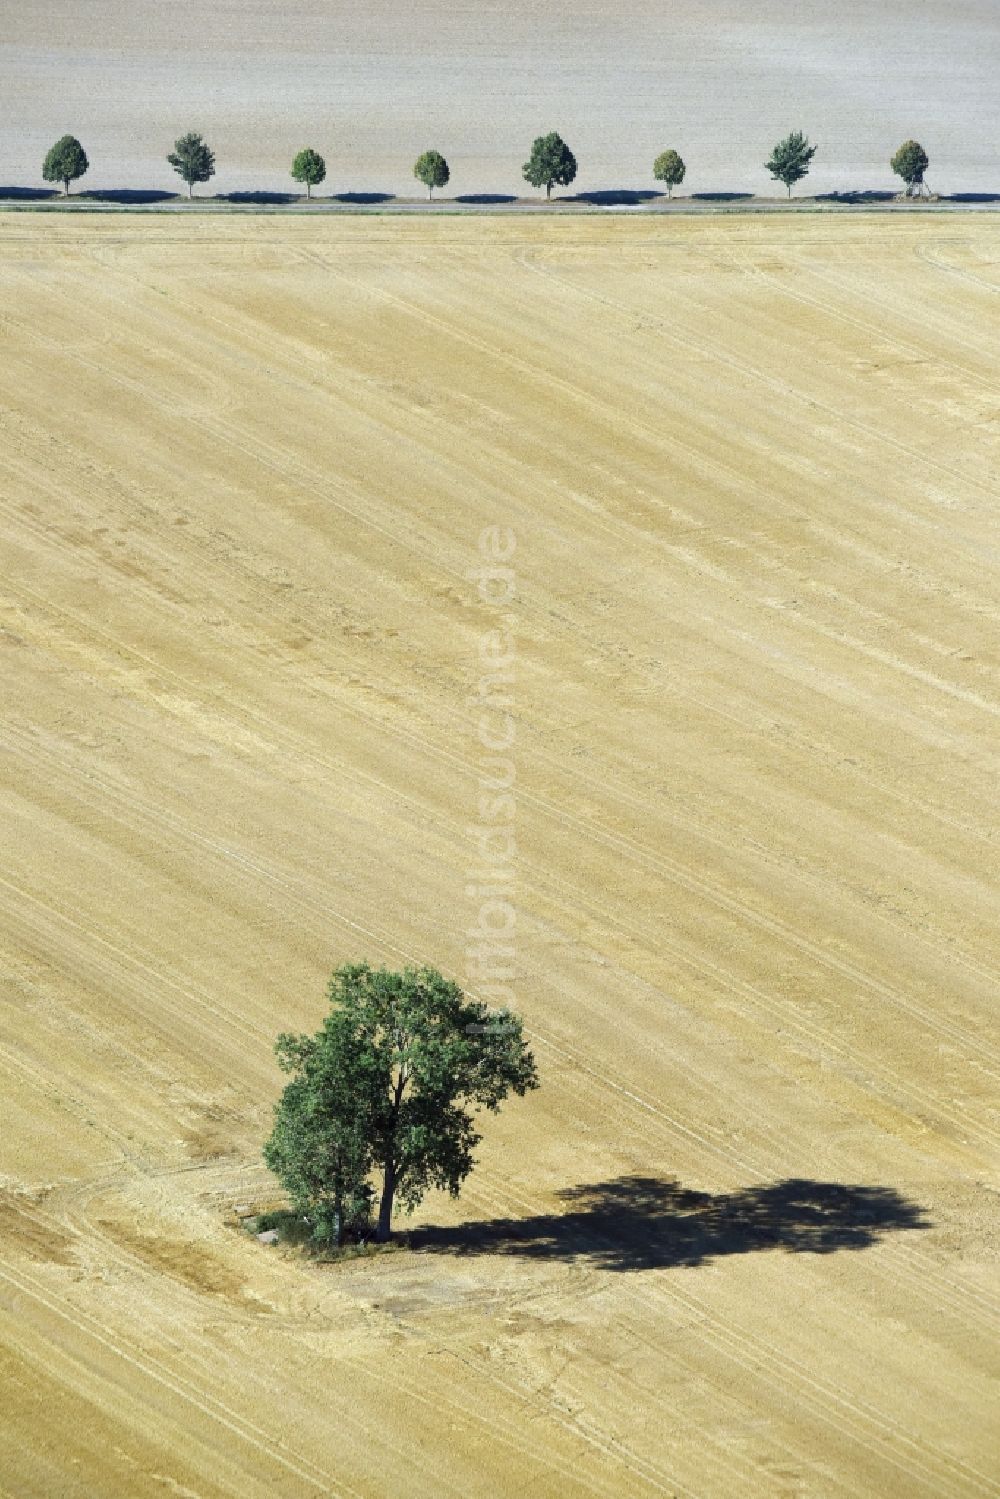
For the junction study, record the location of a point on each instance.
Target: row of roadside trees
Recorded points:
(551, 164)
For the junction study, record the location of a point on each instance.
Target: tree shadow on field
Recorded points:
(364, 197)
(625, 197)
(859, 195)
(647, 1223)
(260, 197)
(128, 195)
(29, 194)
(486, 198)
(720, 197)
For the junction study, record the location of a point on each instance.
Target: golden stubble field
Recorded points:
(751, 467)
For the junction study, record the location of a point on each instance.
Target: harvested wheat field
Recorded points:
(743, 1240)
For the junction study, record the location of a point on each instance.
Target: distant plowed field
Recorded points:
(744, 1239)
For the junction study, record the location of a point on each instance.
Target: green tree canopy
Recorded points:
(911, 162)
(310, 168)
(192, 160)
(65, 162)
(389, 1087)
(320, 1147)
(551, 163)
(790, 159)
(432, 170)
(669, 169)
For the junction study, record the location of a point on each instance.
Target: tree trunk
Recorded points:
(190, 189)
(548, 190)
(384, 1231)
(789, 186)
(309, 191)
(66, 186)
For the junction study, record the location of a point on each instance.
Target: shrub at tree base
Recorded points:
(65, 162)
(388, 1088)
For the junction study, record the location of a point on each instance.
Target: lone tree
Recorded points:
(911, 162)
(192, 160)
(432, 170)
(310, 168)
(669, 169)
(551, 163)
(65, 162)
(790, 159)
(388, 1088)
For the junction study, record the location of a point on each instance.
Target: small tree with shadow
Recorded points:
(551, 163)
(310, 168)
(790, 159)
(911, 162)
(669, 169)
(65, 162)
(432, 170)
(192, 160)
(389, 1088)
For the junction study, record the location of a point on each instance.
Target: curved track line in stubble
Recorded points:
(77, 1216)
(255, 867)
(783, 1357)
(961, 273)
(701, 964)
(784, 1361)
(745, 1349)
(963, 1123)
(438, 565)
(660, 1289)
(570, 1426)
(210, 1406)
(947, 1289)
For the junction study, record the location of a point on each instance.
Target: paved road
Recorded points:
(596, 203)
